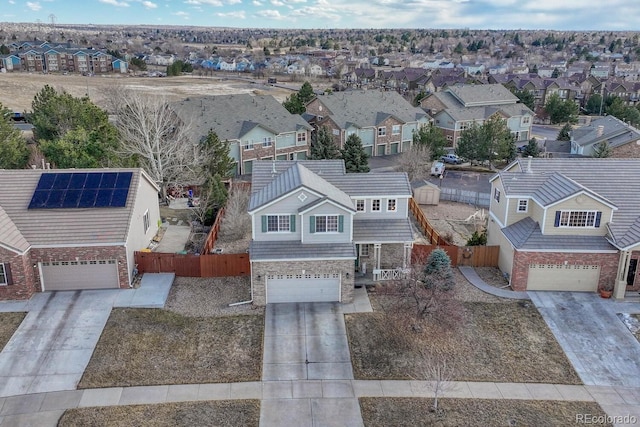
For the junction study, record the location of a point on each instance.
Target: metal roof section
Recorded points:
(608, 180)
(264, 171)
(368, 108)
(609, 128)
(356, 185)
(232, 116)
(75, 226)
(382, 230)
(487, 94)
(525, 235)
(295, 250)
(295, 177)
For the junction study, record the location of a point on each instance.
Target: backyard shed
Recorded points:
(426, 193)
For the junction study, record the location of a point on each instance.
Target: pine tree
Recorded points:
(356, 160)
(14, 153)
(438, 270)
(531, 149)
(602, 150)
(218, 160)
(323, 146)
(565, 133)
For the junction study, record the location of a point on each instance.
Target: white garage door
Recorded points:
(560, 277)
(314, 287)
(72, 275)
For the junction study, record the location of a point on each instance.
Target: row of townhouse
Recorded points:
(50, 60)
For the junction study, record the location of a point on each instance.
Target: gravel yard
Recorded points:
(449, 218)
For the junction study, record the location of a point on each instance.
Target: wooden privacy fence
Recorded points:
(210, 241)
(189, 265)
(429, 232)
(472, 256)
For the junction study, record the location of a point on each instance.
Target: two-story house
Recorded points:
(458, 107)
(384, 121)
(621, 138)
(563, 224)
(314, 227)
(255, 127)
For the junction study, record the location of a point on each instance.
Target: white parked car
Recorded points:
(437, 169)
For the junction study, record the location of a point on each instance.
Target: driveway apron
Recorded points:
(307, 343)
(600, 347)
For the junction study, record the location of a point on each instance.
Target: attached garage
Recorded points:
(314, 287)
(561, 277)
(74, 275)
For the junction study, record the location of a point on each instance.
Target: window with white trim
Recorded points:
(146, 222)
(4, 279)
(583, 219)
(267, 141)
(336, 132)
(392, 205)
(523, 205)
(301, 138)
(364, 250)
(395, 130)
(496, 195)
(375, 205)
(326, 223)
(278, 223)
(360, 205)
(382, 131)
(526, 120)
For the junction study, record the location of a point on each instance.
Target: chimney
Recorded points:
(529, 164)
(600, 130)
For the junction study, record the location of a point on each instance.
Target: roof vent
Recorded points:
(600, 130)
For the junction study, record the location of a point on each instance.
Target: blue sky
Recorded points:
(473, 14)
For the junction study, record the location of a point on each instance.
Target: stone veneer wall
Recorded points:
(261, 269)
(391, 255)
(608, 263)
(22, 274)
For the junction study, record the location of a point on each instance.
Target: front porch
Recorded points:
(378, 262)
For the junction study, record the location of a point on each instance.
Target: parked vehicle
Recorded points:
(437, 169)
(451, 158)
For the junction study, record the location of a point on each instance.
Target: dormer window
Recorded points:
(375, 205)
(391, 205)
(523, 205)
(360, 205)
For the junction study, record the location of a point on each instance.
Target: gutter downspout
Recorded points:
(244, 302)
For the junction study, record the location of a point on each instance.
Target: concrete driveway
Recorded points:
(53, 345)
(601, 348)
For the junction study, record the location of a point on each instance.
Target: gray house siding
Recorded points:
(287, 206)
(317, 237)
(402, 208)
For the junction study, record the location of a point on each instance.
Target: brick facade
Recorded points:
(22, 273)
(627, 151)
(608, 263)
(259, 271)
(258, 152)
(391, 255)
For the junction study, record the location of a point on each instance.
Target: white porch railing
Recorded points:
(394, 274)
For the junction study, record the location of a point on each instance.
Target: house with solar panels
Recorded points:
(73, 229)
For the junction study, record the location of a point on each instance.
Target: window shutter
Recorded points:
(312, 224)
(264, 223)
(292, 223)
(598, 218)
(7, 273)
(557, 223)
(340, 223)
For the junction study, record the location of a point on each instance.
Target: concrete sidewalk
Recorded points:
(470, 274)
(331, 401)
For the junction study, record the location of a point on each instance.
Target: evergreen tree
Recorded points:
(594, 104)
(438, 270)
(431, 137)
(14, 153)
(565, 133)
(602, 150)
(531, 149)
(306, 94)
(355, 158)
(561, 111)
(490, 141)
(323, 146)
(293, 104)
(218, 160)
(525, 97)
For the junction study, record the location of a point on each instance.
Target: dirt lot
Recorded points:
(473, 412)
(223, 413)
(152, 346)
(18, 89)
(449, 218)
(9, 322)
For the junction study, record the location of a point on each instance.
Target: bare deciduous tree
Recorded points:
(236, 223)
(416, 162)
(152, 134)
(437, 368)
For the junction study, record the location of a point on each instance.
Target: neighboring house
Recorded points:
(562, 224)
(384, 121)
(623, 139)
(458, 107)
(73, 228)
(314, 226)
(10, 62)
(256, 127)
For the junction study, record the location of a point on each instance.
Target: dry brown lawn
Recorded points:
(415, 412)
(151, 346)
(222, 413)
(9, 322)
(506, 342)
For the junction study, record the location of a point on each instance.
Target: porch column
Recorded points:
(620, 286)
(406, 256)
(376, 255)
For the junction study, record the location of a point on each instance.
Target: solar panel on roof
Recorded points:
(81, 190)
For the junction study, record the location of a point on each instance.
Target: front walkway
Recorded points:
(53, 345)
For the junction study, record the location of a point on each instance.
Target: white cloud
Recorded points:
(256, 3)
(115, 3)
(12, 2)
(181, 14)
(204, 2)
(231, 2)
(239, 14)
(149, 5)
(35, 6)
(270, 14)
(276, 3)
